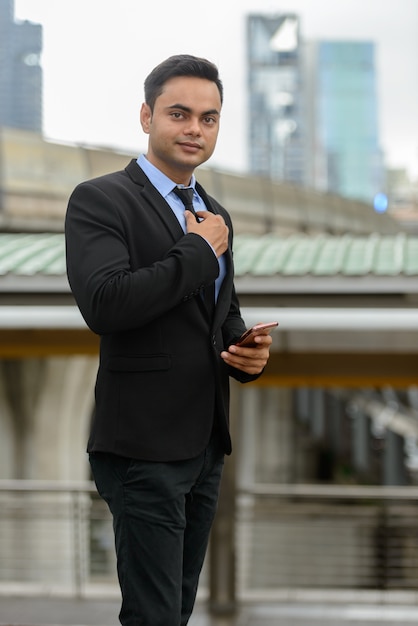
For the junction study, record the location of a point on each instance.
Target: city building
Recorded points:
(402, 193)
(345, 156)
(20, 71)
(313, 109)
(276, 120)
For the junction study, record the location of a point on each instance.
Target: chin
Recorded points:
(190, 164)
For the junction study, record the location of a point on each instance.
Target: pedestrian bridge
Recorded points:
(37, 176)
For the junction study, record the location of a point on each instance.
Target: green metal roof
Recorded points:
(24, 254)
(326, 255)
(43, 254)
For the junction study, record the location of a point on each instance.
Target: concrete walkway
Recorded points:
(52, 611)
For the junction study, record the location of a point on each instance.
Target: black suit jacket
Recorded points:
(137, 278)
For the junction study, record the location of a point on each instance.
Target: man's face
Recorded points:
(183, 127)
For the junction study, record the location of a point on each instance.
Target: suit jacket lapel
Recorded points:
(154, 199)
(157, 203)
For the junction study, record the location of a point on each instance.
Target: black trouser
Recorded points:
(162, 515)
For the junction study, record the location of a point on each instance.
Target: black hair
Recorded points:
(179, 65)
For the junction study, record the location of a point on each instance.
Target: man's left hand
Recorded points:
(250, 360)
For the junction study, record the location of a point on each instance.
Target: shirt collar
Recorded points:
(161, 182)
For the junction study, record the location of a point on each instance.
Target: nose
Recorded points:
(193, 127)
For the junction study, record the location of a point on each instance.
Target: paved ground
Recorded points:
(36, 611)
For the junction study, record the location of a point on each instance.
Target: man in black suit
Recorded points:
(142, 268)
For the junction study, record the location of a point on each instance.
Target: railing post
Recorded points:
(222, 561)
(382, 556)
(79, 529)
(222, 598)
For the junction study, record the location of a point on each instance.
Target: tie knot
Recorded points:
(186, 196)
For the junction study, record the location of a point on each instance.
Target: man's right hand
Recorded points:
(212, 228)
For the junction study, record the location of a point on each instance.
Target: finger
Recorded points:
(203, 214)
(249, 366)
(263, 340)
(189, 215)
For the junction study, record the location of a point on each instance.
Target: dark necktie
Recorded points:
(186, 196)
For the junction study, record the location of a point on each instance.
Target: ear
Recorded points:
(146, 117)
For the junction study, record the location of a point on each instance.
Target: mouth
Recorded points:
(190, 146)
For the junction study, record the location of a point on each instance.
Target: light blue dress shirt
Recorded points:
(164, 186)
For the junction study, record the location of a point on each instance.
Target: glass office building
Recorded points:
(276, 133)
(313, 109)
(20, 71)
(347, 156)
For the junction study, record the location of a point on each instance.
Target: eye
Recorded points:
(177, 115)
(210, 120)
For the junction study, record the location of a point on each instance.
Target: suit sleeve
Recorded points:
(234, 325)
(113, 297)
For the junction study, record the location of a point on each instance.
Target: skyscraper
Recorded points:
(20, 71)
(346, 156)
(276, 115)
(313, 109)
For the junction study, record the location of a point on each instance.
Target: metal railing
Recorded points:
(57, 537)
(47, 535)
(327, 537)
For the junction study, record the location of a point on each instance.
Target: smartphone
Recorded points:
(247, 338)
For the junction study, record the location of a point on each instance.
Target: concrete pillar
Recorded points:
(361, 442)
(265, 438)
(302, 404)
(245, 443)
(284, 419)
(275, 441)
(336, 413)
(393, 461)
(245, 453)
(21, 383)
(8, 439)
(62, 418)
(318, 413)
(222, 557)
(45, 411)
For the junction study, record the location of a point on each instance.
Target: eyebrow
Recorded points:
(182, 107)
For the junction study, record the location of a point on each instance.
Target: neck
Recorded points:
(178, 175)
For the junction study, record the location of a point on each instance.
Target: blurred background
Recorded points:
(317, 163)
(292, 77)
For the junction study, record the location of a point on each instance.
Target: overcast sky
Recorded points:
(98, 52)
